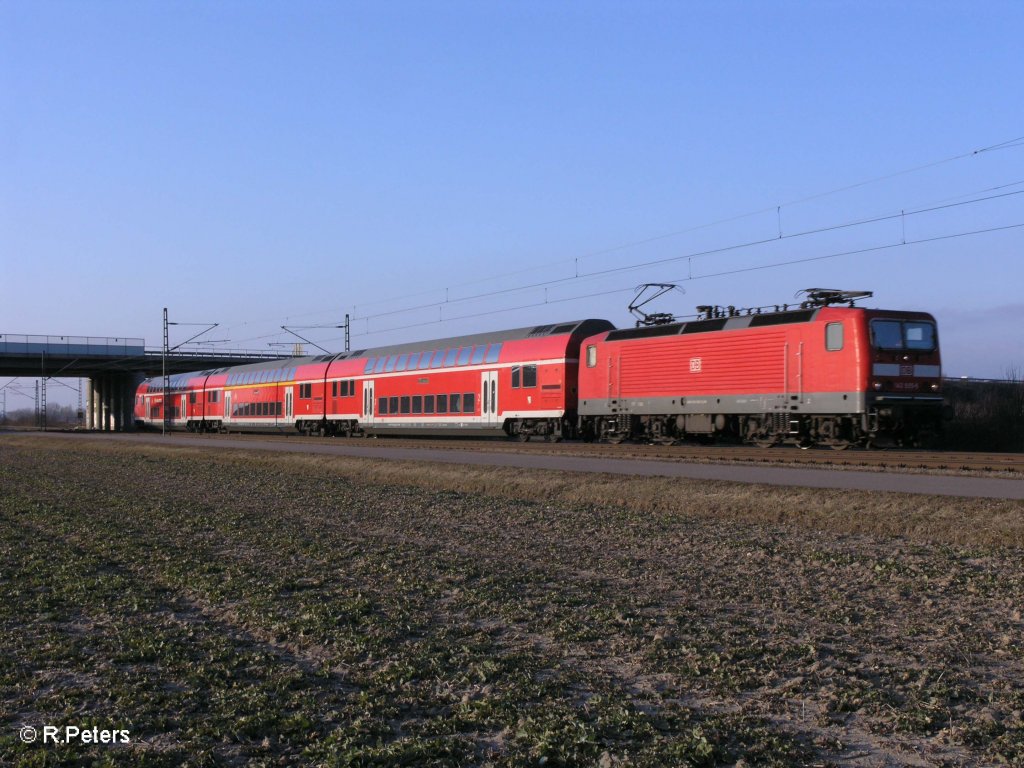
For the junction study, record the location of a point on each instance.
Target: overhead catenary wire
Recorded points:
(724, 273)
(998, 146)
(578, 277)
(1008, 144)
(692, 255)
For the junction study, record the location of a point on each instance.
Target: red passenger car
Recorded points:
(818, 374)
(520, 382)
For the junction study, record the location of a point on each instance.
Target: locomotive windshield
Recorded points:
(914, 335)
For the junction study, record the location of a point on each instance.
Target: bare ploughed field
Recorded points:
(236, 608)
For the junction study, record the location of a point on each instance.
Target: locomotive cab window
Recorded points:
(916, 335)
(833, 337)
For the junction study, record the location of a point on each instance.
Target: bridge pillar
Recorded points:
(116, 406)
(105, 403)
(88, 403)
(97, 408)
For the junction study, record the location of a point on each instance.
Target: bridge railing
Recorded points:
(216, 352)
(79, 346)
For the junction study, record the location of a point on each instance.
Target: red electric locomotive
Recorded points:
(816, 374)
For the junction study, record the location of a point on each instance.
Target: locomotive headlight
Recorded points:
(935, 387)
(877, 385)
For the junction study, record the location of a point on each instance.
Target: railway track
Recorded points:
(892, 460)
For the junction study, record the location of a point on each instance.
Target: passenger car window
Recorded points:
(529, 376)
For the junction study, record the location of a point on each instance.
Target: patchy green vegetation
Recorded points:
(279, 610)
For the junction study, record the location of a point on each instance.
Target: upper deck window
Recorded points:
(915, 335)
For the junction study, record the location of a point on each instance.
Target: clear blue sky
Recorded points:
(261, 164)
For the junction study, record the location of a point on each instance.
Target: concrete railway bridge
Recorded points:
(114, 368)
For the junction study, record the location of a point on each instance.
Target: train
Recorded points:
(824, 372)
